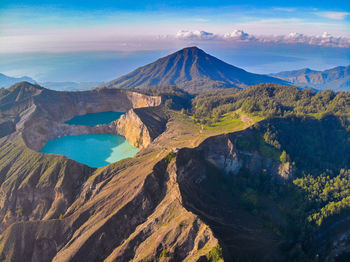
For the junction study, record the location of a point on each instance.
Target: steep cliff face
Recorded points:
(140, 126)
(133, 129)
(222, 152)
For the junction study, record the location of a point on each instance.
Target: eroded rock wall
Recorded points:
(221, 151)
(133, 129)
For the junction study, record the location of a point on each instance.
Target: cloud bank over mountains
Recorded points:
(111, 39)
(326, 39)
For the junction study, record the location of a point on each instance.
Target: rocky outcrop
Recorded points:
(224, 157)
(133, 129)
(140, 100)
(140, 126)
(222, 152)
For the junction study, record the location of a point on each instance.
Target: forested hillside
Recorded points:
(270, 100)
(308, 130)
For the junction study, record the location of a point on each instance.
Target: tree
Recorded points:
(284, 158)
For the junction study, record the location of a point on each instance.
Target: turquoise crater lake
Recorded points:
(94, 150)
(94, 119)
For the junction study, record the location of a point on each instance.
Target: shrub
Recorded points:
(164, 253)
(19, 211)
(284, 157)
(215, 254)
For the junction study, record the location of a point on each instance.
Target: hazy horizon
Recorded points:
(103, 66)
(99, 41)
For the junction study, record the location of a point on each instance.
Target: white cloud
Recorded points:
(326, 35)
(334, 15)
(238, 35)
(325, 39)
(194, 35)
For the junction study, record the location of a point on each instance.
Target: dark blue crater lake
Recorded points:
(94, 150)
(94, 119)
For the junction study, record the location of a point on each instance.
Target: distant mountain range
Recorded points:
(7, 81)
(191, 69)
(337, 79)
(71, 86)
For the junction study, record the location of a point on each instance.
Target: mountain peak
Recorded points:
(19, 91)
(192, 49)
(25, 85)
(190, 69)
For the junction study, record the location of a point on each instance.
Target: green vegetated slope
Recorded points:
(309, 131)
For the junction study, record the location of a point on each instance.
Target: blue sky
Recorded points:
(151, 4)
(61, 26)
(282, 30)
